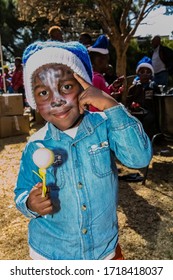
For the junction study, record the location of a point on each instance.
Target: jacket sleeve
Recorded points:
(127, 138)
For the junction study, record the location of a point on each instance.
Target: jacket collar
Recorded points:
(86, 127)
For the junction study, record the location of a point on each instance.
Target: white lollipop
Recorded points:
(43, 157)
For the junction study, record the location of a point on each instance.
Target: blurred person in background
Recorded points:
(55, 33)
(99, 55)
(140, 98)
(85, 39)
(8, 78)
(162, 62)
(17, 79)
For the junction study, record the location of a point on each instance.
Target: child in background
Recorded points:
(77, 218)
(141, 96)
(99, 55)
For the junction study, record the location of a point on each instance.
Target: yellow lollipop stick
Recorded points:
(43, 158)
(42, 172)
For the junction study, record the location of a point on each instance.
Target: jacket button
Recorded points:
(79, 185)
(84, 230)
(84, 207)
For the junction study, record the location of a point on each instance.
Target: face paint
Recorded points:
(55, 104)
(56, 94)
(50, 78)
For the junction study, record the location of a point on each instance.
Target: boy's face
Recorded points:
(56, 93)
(102, 62)
(144, 74)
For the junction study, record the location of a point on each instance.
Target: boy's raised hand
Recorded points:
(37, 203)
(93, 96)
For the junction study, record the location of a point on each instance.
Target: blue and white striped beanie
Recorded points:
(145, 62)
(100, 45)
(72, 54)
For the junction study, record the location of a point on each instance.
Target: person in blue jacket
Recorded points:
(76, 219)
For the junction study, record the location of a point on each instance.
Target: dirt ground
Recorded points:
(145, 212)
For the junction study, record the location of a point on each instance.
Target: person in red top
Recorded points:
(99, 55)
(17, 79)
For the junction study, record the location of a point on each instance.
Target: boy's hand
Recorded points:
(93, 96)
(37, 203)
(117, 84)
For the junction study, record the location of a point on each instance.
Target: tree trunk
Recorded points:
(121, 62)
(121, 70)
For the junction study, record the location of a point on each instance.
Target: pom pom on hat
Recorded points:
(72, 54)
(100, 45)
(145, 62)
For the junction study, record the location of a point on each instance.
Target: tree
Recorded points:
(16, 34)
(169, 6)
(10, 30)
(119, 19)
(122, 29)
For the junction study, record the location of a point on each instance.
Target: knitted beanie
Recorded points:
(100, 45)
(145, 62)
(72, 54)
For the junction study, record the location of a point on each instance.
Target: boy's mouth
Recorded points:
(59, 113)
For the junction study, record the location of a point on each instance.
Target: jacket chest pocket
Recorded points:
(100, 159)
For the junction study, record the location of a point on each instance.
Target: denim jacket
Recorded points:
(84, 184)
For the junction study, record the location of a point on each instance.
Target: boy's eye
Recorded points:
(147, 72)
(44, 93)
(66, 88)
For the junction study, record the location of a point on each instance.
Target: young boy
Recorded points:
(77, 219)
(141, 96)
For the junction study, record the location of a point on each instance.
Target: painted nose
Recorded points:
(58, 103)
(57, 100)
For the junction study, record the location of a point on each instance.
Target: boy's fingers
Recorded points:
(81, 81)
(38, 185)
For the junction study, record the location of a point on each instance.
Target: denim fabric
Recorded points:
(83, 183)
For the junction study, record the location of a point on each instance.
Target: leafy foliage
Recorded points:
(119, 19)
(10, 29)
